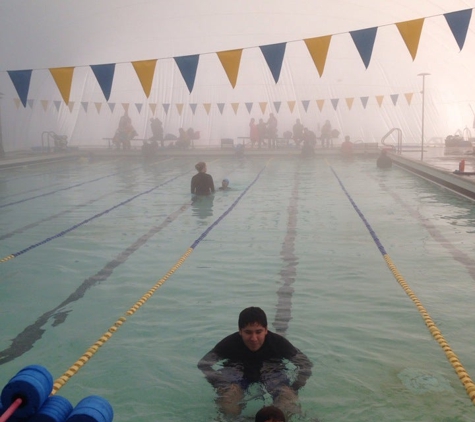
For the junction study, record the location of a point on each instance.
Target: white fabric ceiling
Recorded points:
(44, 34)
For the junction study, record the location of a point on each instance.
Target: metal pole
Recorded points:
(423, 110)
(2, 151)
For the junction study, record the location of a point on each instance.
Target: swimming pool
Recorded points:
(89, 239)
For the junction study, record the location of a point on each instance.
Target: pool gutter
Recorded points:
(463, 185)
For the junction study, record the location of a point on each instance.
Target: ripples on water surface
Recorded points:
(374, 359)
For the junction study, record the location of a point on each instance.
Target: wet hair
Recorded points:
(252, 315)
(200, 166)
(270, 414)
(226, 181)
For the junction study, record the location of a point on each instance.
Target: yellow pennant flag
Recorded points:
(291, 105)
(44, 104)
(349, 102)
(153, 107)
(125, 106)
(411, 34)
(235, 107)
(179, 107)
(207, 107)
(409, 97)
(145, 70)
(17, 102)
(71, 106)
(63, 76)
(98, 107)
(379, 99)
(231, 60)
(263, 107)
(318, 49)
(320, 104)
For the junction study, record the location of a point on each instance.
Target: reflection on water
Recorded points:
(202, 206)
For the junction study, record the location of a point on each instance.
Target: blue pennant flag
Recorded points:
(104, 75)
(188, 66)
(364, 41)
(21, 81)
(274, 55)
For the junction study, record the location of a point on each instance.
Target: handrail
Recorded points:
(54, 137)
(399, 139)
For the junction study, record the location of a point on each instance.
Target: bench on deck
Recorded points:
(227, 143)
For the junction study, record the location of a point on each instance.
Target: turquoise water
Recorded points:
(292, 243)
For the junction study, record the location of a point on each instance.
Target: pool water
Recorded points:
(90, 238)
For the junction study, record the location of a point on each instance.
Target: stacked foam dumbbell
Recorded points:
(26, 398)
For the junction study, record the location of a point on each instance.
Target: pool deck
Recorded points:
(436, 164)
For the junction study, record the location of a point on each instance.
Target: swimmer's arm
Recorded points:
(206, 364)
(302, 362)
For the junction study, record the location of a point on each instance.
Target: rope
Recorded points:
(29, 248)
(435, 332)
(73, 369)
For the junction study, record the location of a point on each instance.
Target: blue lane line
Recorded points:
(225, 213)
(59, 190)
(29, 248)
(368, 226)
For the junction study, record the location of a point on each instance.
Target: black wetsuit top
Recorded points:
(232, 352)
(202, 184)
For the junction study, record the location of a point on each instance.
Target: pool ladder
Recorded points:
(399, 139)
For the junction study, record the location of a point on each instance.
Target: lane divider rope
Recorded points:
(73, 369)
(435, 332)
(88, 220)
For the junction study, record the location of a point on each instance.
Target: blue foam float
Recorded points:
(33, 384)
(92, 409)
(54, 409)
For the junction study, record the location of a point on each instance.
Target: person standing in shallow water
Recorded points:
(202, 183)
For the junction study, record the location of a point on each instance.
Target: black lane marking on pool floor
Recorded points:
(457, 254)
(289, 271)
(27, 338)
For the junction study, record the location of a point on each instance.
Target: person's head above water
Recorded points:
(253, 327)
(270, 414)
(225, 183)
(201, 166)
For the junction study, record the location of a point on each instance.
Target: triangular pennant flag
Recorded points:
(139, 107)
(21, 82)
(320, 104)
(17, 102)
(458, 23)
(179, 108)
(111, 107)
(318, 49)
(394, 98)
(44, 104)
(166, 107)
(235, 107)
(71, 106)
(57, 104)
(207, 107)
(409, 97)
(364, 41)
(349, 102)
(364, 101)
(221, 107)
(305, 104)
(153, 107)
(104, 75)
(411, 34)
(193, 108)
(188, 66)
(145, 70)
(263, 107)
(291, 105)
(249, 107)
(84, 105)
(277, 105)
(125, 106)
(230, 60)
(274, 55)
(63, 76)
(31, 103)
(98, 107)
(379, 99)
(335, 102)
